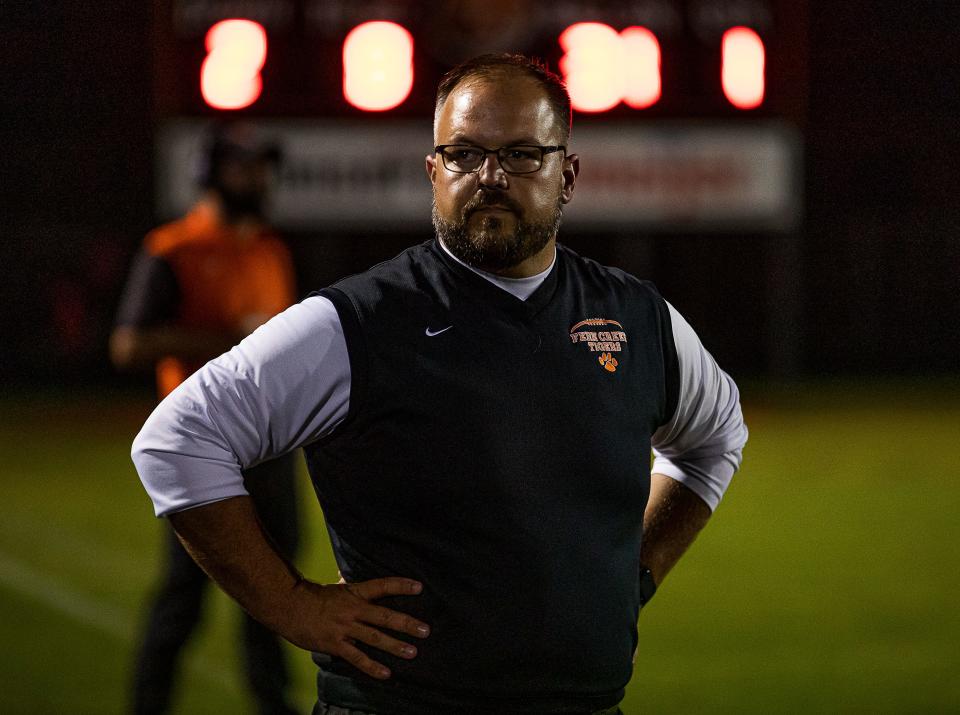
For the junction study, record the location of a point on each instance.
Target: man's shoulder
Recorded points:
(403, 271)
(593, 272)
(171, 237)
(387, 294)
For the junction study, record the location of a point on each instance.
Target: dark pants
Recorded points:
(176, 607)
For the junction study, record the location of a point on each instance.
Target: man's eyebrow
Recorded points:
(525, 140)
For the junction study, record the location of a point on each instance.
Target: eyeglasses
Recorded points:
(466, 158)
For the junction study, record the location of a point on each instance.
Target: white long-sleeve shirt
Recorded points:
(288, 384)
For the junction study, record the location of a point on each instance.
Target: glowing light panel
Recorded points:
(742, 73)
(642, 67)
(590, 65)
(230, 74)
(377, 66)
(603, 68)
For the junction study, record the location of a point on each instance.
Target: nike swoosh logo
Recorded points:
(431, 333)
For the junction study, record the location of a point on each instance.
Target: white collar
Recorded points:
(521, 288)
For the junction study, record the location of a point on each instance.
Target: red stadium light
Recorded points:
(642, 67)
(603, 68)
(377, 66)
(742, 73)
(590, 66)
(230, 74)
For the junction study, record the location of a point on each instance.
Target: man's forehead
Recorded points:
(502, 104)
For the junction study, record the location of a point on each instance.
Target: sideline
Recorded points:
(18, 576)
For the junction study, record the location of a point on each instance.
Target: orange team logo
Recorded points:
(609, 363)
(598, 336)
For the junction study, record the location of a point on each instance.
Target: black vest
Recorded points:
(503, 462)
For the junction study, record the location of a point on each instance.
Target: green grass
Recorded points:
(825, 583)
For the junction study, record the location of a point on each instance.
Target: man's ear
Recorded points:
(569, 173)
(432, 168)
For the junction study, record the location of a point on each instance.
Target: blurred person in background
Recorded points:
(198, 286)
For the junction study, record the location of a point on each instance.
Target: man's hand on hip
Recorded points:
(332, 619)
(226, 539)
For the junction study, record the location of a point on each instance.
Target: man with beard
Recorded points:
(478, 415)
(198, 286)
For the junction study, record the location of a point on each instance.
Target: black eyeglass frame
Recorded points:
(544, 150)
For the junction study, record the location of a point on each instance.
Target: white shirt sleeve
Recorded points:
(702, 445)
(286, 384)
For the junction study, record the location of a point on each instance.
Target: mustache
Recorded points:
(490, 197)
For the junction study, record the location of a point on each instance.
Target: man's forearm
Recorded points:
(672, 520)
(228, 542)
(226, 539)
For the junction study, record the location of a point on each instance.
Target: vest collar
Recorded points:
(487, 288)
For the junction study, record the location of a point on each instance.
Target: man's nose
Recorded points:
(491, 173)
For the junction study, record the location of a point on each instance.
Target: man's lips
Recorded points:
(493, 208)
(492, 202)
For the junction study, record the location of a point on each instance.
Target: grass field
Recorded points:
(826, 583)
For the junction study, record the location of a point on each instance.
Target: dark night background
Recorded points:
(874, 265)
(822, 585)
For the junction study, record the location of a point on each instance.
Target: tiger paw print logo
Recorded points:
(609, 362)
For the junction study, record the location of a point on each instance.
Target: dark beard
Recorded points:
(486, 247)
(241, 205)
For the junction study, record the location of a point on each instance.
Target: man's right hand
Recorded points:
(228, 542)
(332, 619)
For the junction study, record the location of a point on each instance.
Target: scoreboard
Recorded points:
(687, 113)
(297, 58)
